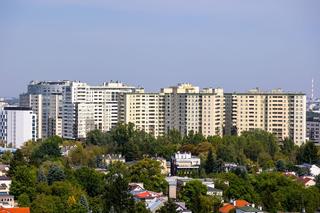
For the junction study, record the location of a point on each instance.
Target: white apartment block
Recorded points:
(184, 108)
(45, 99)
(145, 110)
(17, 126)
(88, 107)
(34, 102)
(283, 114)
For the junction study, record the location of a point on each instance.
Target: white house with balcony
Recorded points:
(183, 163)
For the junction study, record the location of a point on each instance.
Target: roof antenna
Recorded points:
(312, 90)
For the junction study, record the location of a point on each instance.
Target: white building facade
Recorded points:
(86, 107)
(17, 126)
(184, 163)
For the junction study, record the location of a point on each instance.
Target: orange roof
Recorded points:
(14, 210)
(144, 194)
(226, 208)
(242, 203)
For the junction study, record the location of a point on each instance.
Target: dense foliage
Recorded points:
(49, 182)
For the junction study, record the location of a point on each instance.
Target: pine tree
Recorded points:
(55, 174)
(18, 160)
(84, 202)
(41, 177)
(209, 166)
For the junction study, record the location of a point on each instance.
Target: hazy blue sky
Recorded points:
(236, 45)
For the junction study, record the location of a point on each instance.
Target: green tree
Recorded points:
(122, 133)
(194, 138)
(24, 200)
(149, 172)
(96, 204)
(209, 165)
(264, 138)
(226, 153)
(55, 173)
(6, 157)
(280, 193)
(192, 194)
(287, 146)
(84, 203)
(281, 166)
(47, 204)
(90, 180)
(169, 207)
(318, 181)
(97, 137)
(116, 194)
(206, 204)
(41, 176)
(18, 160)
(23, 181)
(311, 199)
(131, 151)
(308, 153)
(240, 188)
(174, 136)
(137, 207)
(48, 149)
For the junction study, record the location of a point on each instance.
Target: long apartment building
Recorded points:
(183, 107)
(71, 109)
(283, 114)
(86, 107)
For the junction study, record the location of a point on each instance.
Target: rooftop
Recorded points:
(18, 108)
(249, 209)
(226, 208)
(15, 210)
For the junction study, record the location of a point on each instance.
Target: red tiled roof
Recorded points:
(144, 194)
(147, 194)
(242, 203)
(226, 208)
(14, 210)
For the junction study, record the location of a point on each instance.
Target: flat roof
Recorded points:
(18, 108)
(264, 93)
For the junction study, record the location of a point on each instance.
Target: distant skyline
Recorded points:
(236, 45)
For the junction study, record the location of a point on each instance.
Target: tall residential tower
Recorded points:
(283, 114)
